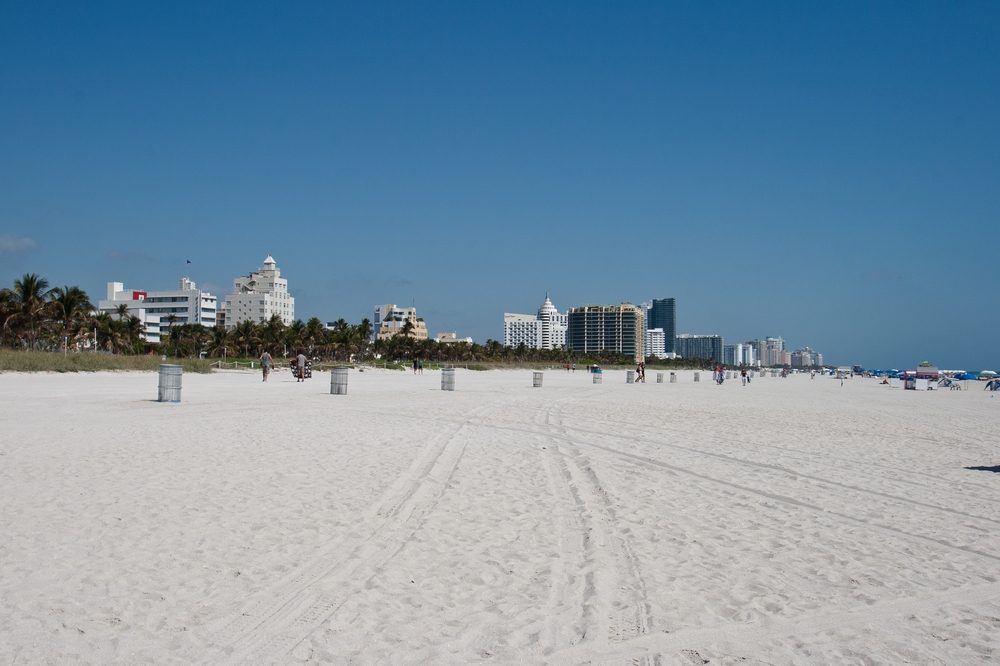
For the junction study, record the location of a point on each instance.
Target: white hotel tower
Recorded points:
(546, 330)
(259, 296)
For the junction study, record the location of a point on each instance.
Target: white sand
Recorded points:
(793, 521)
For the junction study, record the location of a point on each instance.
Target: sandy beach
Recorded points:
(793, 521)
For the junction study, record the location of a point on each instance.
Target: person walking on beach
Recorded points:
(420, 367)
(300, 367)
(265, 364)
(743, 376)
(414, 366)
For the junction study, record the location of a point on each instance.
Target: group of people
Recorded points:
(418, 367)
(719, 375)
(640, 373)
(266, 363)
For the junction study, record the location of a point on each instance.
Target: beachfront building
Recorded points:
(259, 296)
(662, 314)
(738, 355)
(774, 349)
(806, 357)
(451, 339)
(708, 347)
(522, 329)
(759, 350)
(768, 352)
(160, 310)
(655, 343)
(619, 328)
(545, 330)
(391, 321)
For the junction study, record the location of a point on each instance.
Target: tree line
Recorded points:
(35, 317)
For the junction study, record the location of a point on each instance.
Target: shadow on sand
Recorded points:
(995, 469)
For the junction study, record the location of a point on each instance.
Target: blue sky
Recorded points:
(827, 173)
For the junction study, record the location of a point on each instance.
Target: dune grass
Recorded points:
(38, 361)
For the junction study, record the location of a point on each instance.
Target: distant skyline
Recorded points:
(826, 173)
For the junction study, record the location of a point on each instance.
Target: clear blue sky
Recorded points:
(830, 174)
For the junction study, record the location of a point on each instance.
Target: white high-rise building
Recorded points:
(554, 325)
(259, 296)
(522, 328)
(545, 330)
(738, 355)
(654, 342)
(159, 310)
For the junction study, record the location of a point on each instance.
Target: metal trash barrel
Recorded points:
(729, 375)
(448, 379)
(659, 378)
(760, 374)
(338, 381)
(697, 376)
(630, 377)
(673, 377)
(536, 379)
(597, 377)
(170, 383)
(774, 373)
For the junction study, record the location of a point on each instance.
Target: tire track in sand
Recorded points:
(753, 640)
(281, 617)
(603, 581)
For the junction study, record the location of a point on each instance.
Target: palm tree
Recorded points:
(245, 336)
(219, 341)
(122, 311)
(314, 333)
(135, 330)
(8, 311)
(272, 333)
(69, 305)
(29, 294)
(407, 329)
(295, 334)
(171, 320)
(109, 332)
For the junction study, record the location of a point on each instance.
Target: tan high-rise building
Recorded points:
(390, 320)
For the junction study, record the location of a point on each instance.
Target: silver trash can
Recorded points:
(630, 377)
(673, 377)
(170, 383)
(448, 379)
(536, 379)
(729, 375)
(338, 381)
(597, 377)
(697, 376)
(659, 378)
